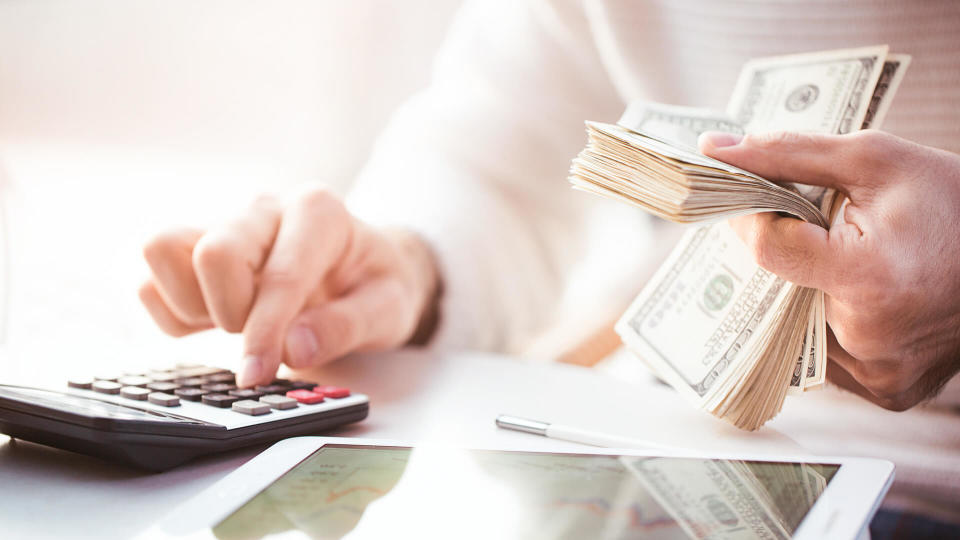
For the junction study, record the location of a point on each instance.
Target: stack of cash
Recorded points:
(732, 337)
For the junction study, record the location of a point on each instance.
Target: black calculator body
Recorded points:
(161, 419)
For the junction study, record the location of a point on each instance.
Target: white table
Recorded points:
(415, 396)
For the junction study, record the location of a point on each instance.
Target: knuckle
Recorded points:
(870, 149)
(322, 201)
(160, 246)
(318, 197)
(213, 253)
(891, 387)
(870, 137)
(895, 402)
(279, 278)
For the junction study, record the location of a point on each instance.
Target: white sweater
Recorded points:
(477, 162)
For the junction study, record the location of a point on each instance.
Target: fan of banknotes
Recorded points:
(732, 337)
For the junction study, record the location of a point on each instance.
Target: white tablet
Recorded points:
(316, 487)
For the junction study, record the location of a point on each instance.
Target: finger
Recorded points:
(841, 162)
(793, 249)
(226, 261)
(860, 377)
(377, 315)
(313, 236)
(840, 356)
(161, 314)
(840, 376)
(882, 382)
(169, 256)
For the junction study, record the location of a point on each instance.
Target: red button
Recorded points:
(332, 391)
(305, 396)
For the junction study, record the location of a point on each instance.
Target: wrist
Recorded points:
(426, 281)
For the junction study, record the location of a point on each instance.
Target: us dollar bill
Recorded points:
(711, 499)
(679, 126)
(700, 320)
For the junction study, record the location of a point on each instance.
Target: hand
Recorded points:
(305, 284)
(890, 268)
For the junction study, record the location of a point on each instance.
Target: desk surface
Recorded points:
(417, 396)
(414, 397)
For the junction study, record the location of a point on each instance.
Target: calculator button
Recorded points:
(253, 408)
(272, 389)
(82, 383)
(301, 385)
(219, 400)
(189, 382)
(190, 394)
(160, 398)
(218, 388)
(305, 396)
(133, 380)
(157, 376)
(227, 378)
(134, 392)
(246, 393)
(163, 386)
(332, 391)
(105, 377)
(106, 387)
(279, 402)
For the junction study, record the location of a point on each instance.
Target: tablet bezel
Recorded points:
(854, 493)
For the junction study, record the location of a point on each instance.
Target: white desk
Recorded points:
(47, 493)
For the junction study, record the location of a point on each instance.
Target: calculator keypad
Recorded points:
(212, 387)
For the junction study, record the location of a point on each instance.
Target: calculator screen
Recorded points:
(345, 491)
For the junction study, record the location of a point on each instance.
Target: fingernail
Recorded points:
(251, 372)
(302, 346)
(719, 139)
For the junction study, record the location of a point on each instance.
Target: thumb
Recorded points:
(374, 316)
(793, 249)
(841, 162)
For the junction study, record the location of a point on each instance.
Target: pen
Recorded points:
(577, 435)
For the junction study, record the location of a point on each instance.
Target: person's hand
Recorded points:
(891, 268)
(305, 283)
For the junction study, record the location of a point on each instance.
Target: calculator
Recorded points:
(159, 419)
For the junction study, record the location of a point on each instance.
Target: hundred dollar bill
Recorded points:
(819, 92)
(711, 499)
(705, 318)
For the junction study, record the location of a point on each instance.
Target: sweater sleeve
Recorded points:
(476, 164)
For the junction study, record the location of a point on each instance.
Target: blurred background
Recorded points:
(120, 119)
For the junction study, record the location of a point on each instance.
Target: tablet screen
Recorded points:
(348, 491)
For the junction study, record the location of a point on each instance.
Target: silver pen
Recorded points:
(577, 435)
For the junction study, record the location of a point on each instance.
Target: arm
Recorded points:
(465, 188)
(476, 164)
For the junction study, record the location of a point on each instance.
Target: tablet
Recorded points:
(317, 487)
